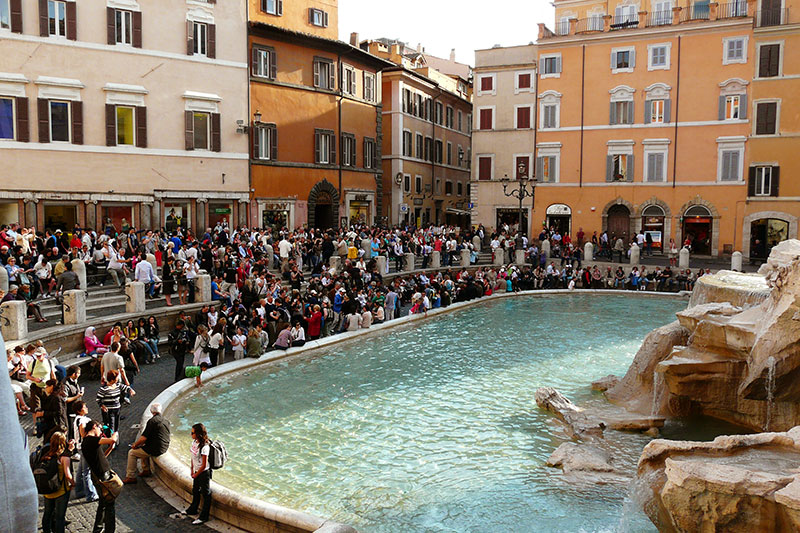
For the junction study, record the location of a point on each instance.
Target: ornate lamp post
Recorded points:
(520, 193)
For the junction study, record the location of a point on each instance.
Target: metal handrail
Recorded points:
(590, 24)
(621, 22)
(659, 18)
(735, 9)
(696, 12)
(772, 17)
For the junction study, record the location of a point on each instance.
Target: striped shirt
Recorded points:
(109, 396)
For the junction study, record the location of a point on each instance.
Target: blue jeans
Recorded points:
(55, 514)
(84, 485)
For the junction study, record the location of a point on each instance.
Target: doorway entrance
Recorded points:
(63, 217)
(619, 221)
(323, 211)
(559, 217)
(696, 228)
(766, 233)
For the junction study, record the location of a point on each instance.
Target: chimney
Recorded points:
(396, 50)
(419, 47)
(354, 38)
(453, 55)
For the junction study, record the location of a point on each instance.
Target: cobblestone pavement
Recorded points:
(138, 508)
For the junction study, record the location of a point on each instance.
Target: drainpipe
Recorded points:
(535, 132)
(433, 149)
(583, 93)
(677, 104)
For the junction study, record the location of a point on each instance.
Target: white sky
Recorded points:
(466, 25)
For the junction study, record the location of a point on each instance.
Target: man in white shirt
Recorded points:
(116, 266)
(284, 251)
(144, 273)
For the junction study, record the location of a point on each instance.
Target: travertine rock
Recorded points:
(603, 384)
(579, 425)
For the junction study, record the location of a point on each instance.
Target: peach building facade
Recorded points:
(123, 112)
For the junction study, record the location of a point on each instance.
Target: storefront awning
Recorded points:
(457, 211)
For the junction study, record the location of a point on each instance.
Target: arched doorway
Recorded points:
(559, 217)
(323, 206)
(764, 234)
(653, 223)
(696, 227)
(619, 221)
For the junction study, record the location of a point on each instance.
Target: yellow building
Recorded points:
(645, 119)
(426, 141)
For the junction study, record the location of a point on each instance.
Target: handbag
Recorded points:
(111, 486)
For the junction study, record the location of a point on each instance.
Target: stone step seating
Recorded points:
(80, 359)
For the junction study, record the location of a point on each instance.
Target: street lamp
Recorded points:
(520, 193)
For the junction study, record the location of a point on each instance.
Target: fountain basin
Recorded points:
(737, 288)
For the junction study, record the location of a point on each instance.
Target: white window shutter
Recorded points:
(633, 58)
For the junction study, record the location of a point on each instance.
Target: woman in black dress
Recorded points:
(168, 278)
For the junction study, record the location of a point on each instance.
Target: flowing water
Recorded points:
(770, 385)
(433, 427)
(658, 379)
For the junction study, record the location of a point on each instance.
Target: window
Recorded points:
(732, 104)
(265, 63)
(273, 7)
(460, 121)
(625, 16)
(623, 60)
(659, 57)
(418, 184)
(769, 60)
(5, 15)
(348, 150)
(324, 74)
(200, 38)
(428, 149)
(408, 101)
(662, 13)
(439, 113)
(448, 188)
(439, 151)
(523, 117)
(7, 118)
(348, 80)
(449, 153)
(126, 128)
(407, 144)
(656, 111)
(266, 142)
(524, 82)
(325, 147)
(486, 84)
(449, 117)
(469, 122)
(407, 183)
(460, 189)
(764, 181)
(485, 167)
(730, 164)
(370, 153)
(734, 50)
(420, 146)
(656, 169)
(202, 130)
(57, 18)
(521, 166)
(621, 112)
(317, 17)
(619, 169)
(124, 26)
(486, 118)
(419, 107)
(766, 118)
(59, 121)
(546, 169)
(369, 87)
(549, 116)
(550, 66)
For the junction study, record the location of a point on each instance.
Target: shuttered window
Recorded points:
(317, 17)
(369, 87)
(324, 74)
(621, 113)
(264, 63)
(523, 81)
(549, 119)
(7, 124)
(767, 118)
(348, 150)
(656, 169)
(265, 141)
(273, 7)
(523, 118)
(487, 83)
(370, 153)
(763, 181)
(484, 168)
(619, 167)
(486, 121)
(546, 170)
(731, 161)
(348, 80)
(769, 58)
(324, 147)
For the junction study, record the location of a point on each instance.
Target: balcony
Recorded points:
(696, 12)
(562, 28)
(589, 24)
(732, 10)
(623, 22)
(771, 17)
(659, 18)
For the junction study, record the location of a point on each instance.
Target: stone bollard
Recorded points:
(546, 248)
(519, 257)
(380, 261)
(736, 261)
(436, 259)
(152, 260)
(683, 258)
(634, 254)
(588, 252)
(79, 267)
(335, 263)
(202, 288)
(270, 252)
(499, 257)
(3, 280)
(366, 245)
(14, 320)
(476, 243)
(410, 262)
(465, 258)
(75, 307)
(134, 297)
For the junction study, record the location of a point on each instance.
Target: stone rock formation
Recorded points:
(603, 384)
(586, 463)
(733, 484)
(733, 354)
(578, 424)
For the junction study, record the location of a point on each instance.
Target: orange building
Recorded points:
(426, 143)
(316, 128)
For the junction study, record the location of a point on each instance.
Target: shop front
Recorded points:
(276, 215)
(653, 224)
(559, 217)
(765, 233)
(220, 213)
(9, 212)
(507, 216)
(117, 218)
(360, 207)
(61, 216)
(696, 228)
(176, 215)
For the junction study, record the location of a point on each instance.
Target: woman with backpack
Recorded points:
(53, 471)
(201, 474)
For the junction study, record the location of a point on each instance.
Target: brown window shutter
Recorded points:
(211, 51)
(776, 181)
(111, 125)
(23, 127)
(189, 130)
(216, 134)
(141, 126)
(332, 158)
(72, 22)
(254, 62)
(255, 131)
(137, 29)
(273, 143)
(43, 111)
(316, 146)
(16, 16)
(273, 65)
(189, 37)
(77, 122)
(44, 23)
(111, 25)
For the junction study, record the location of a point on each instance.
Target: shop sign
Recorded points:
(222, 210)
(361, 198)
(282, 206)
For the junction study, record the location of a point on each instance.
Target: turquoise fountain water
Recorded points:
(433, 427)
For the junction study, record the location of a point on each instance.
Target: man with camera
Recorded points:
(105, 480)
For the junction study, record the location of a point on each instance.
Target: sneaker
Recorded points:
(126, 401)
(197, 522)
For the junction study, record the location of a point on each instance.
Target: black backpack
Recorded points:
(45, 471)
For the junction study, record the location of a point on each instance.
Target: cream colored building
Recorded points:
(503, 132)
(124, 110)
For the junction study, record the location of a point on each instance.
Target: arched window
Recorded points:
(697, 211)
(653, 211)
